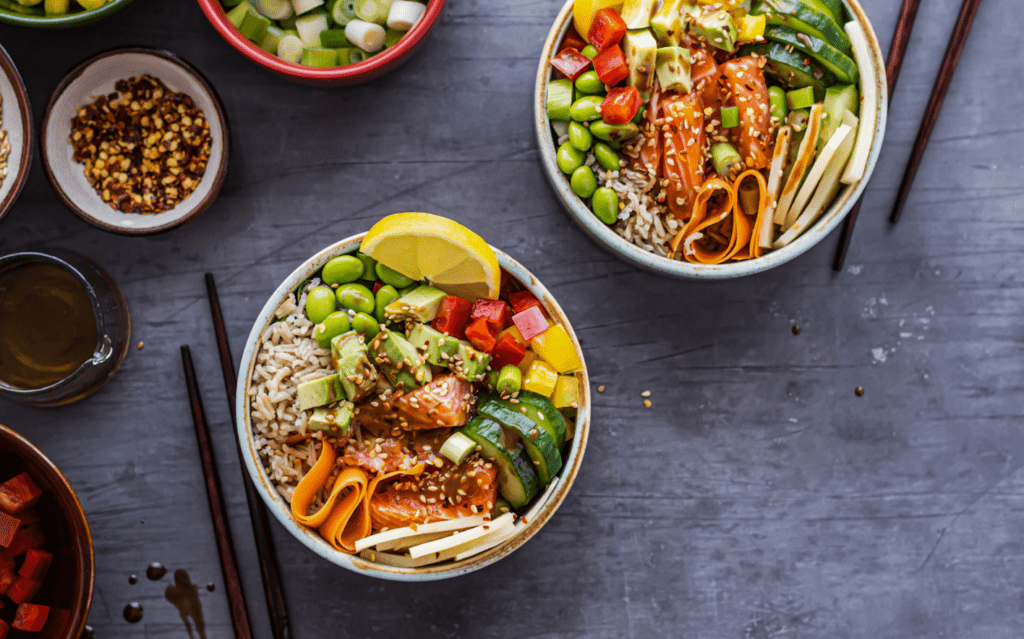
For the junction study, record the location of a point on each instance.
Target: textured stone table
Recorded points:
(758, 497)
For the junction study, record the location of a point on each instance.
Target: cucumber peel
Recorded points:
(539, 444)
(832, 58)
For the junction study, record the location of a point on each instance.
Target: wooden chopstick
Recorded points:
(931, 114)
(225, 547)
(270, 570)
(893, 64)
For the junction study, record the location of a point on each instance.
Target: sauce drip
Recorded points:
(156, 571)
(185, 596)
(133, 612)
(211, 587)
(47, 325)
(87, 633)
(133, 580)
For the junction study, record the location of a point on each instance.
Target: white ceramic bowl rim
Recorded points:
(542, 509)
(618, 246)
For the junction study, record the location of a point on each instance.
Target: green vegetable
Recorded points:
(779, 106)
(457, 448)
(333, 325)
(804, 17)
(235, 16)
(391, 37)
(586, 109)
(365, 324)
(271, 39)
(792, 68)
(540, 445)
(833, 8)
(341, 12)
(369, 267)
(334, 39)
(726, 159)
(510, 380)
(569, 158)
(673, 69)
(385, 295)
(641, 52)
(838, 100)
(543, 412)
(717, 27)
(320, 392)
(800, 98)
(421, 305)
(607, 157)
(375, 11)
(590, 51)
(393, 277)
(831, 58)
(639, 117)
(583, 182)
(730, 117)
(559, 99)
(614, 132)
(254, 26)
(335, 421)
(606, 205)
(355, 297)
(517, 480)
(320, 303)
(342, 270)
(589, 83)
(579, 136)
(399, 360)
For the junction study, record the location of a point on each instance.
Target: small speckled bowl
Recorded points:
(615, 244)
(96, 76)
(27, 17)
(17, 121)
(540, 511)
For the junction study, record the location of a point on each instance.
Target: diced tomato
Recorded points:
(509, 285)
(377, 286)
(482, 334)
(7, 572)
(23, 590)
(37, 562)
(4, 629)
(620, 105)
(9, 525)
(507, 351)
(607, 29)
(523, 300)
(31, 617)
(28, 517)
(530, 322)
(611, 65)
(497, 312)
(31, 537)
(452, 316)
(573, 41)
(18, 493)
(571, 62)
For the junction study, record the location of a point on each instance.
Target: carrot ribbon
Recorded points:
(724, 217)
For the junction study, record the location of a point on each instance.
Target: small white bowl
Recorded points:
(96, 76)
(17, 121)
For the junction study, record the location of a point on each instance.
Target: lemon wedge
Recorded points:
(449, 255)
(583, 12)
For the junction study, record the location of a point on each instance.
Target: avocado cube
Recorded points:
(717, 27)
(667, 23)
(470, 364)
(674, 69)
(358, 376)
(421, 304)
(438, 348)
(334, 421)
(320, 392)
(399, 361)
(637, 13)
(344, 345)
(641, 50)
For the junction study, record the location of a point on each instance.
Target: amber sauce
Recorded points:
(47, 325)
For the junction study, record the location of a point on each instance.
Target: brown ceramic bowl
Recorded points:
(68, 586)
(17, 120)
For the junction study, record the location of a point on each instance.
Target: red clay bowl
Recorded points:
(369, 69)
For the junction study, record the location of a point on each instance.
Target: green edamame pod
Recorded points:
(392, 277)
(606, 205)
(589, 83)
(580, 137)
(385, 295)
(569, 158)
(726, 159)
(369, 267)
(333, 325)
(365, 324)
(342, 270)
(583, 182)
(356, 297)
(510, 380)
(320, 303)
(614, 132)
(586, 109)
(607, 157)
(779, 106)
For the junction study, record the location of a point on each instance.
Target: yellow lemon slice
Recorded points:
(421, 245)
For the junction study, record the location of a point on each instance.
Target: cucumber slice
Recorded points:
(539, 443)
(544, 413)
(792, 69)
(517, 481)
(838, 100)
(559, 99)
(832, 58)
(805, 18)
(834, 8)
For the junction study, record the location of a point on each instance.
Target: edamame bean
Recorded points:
(392, 277)
(369, 267)
(342, 270)
(333, 325)
(356, 297)
(606, 205)
(510, 380)
(586, 109)
(590, 51)
(569, 158)
(580, 137)
(365, 324)
(385, 295)
(320, 303)
(583, 182)
(616, 132)
(607, 157)
(589, 83)
(780, 108)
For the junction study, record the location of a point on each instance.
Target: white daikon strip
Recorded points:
(803, 162)
(367, 36)
(827, 189)
(302, 6)
(404, 14)
(275, 9)
(814, 176)
(450, 525)
(290, 48)
(409, 542)
(778, 167)
(396, 560)
(310, 27)
(460, 542)
(868, 105)
(497, 540)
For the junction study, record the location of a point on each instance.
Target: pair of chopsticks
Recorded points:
(904, 25)
(267, 554)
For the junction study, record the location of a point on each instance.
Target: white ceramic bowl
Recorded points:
(611, 241)
(96, 76)
(17, 121)
(541, 510)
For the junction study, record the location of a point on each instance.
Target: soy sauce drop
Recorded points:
(156, 571)
(133, 612)
(133, 579)
(796, 330)
(87, 633)
(211, 587)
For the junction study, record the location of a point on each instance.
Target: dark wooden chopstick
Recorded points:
(931, 114)
(270, 570)
(225, 547)
(904, 25)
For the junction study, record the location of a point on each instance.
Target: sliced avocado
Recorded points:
(803, 17)
(346, 344)
(637, 13)
(334, 421)
(470, 364)
(717, 27)
(674, 69)
(399, 360)
(437, 348)
(838, 100)
(830, 57)
(517, 480)
(541, 446)
(421, 304)
(320, 392)
(641, 50)
(667, 24)
(792, 69)
(358, 376)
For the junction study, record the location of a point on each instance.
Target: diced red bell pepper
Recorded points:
(36, 563)
(530, 322)
(572, 41)
(4, 629)
(30, 617)
(497, 312)
(571, 62)
(507, 351)
(8, 574)
(452, 316)
(523, 300)
(611, 65)
(23, 590)
(509, 285)
(607, 29)
(18, 493)
(31, 537)
(9, 525)
(377, 286)
(28, 517)
(482, 335)
(620, 105)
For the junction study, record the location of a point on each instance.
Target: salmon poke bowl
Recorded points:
(412, 403)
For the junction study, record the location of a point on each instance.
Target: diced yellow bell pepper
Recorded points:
(567, 392)
(751, 28)
(56, 7)
(555, 346)
(528, 358)
(512, 330)
(540, 378)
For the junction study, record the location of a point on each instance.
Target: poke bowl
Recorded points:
(15, 133)
(710, 140)
(59, 14)
(418, 422)
(46, 554)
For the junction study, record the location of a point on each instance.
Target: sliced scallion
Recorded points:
(310, 26)
(305, 6)
(730, 117)
(375, 11)
(800, 98)
(275, 9)
(334, 39)
(290, 48)
(726, 159)
(319, 57)
(404, 15)
(457, 447)
(365, 35)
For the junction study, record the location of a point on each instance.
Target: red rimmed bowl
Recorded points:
(68, 586)
(369, 69)
(17, 121)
